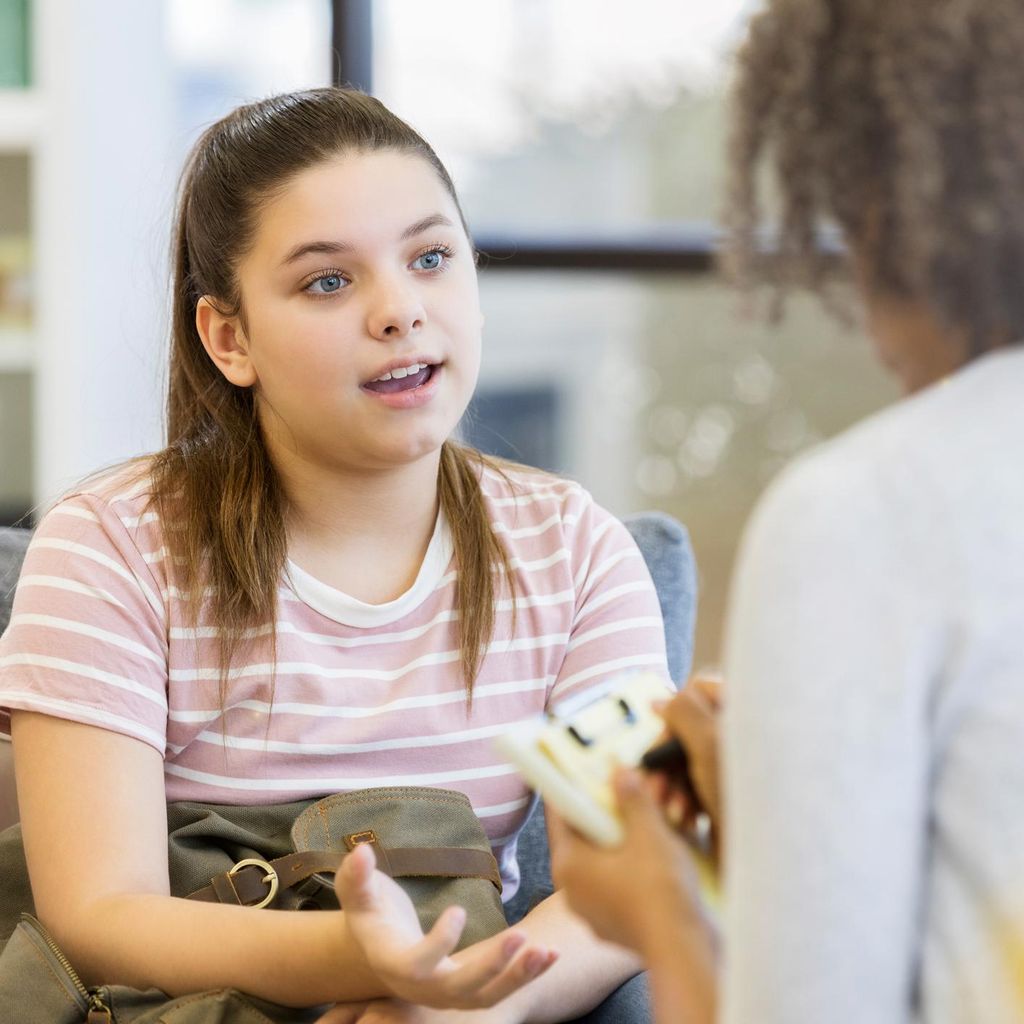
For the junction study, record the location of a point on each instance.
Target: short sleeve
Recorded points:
(87, 639)
(617, 624)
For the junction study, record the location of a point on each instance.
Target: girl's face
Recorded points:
(360, 269)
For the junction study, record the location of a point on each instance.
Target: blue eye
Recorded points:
(432, 260)
(329, 283)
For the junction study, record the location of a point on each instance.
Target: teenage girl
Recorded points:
(873, 726)
(311, 589)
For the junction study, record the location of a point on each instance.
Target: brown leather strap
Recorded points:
(444, 862)
(249, 885)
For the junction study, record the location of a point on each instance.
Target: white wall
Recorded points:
(102, 183)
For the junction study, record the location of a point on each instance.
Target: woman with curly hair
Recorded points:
(873, 730)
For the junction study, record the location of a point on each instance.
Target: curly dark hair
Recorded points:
(901, 121)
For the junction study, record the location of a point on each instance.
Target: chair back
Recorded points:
(665, 545)
(13, 543)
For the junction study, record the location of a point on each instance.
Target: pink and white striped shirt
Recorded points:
(364, 695)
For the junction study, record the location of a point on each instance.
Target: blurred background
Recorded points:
(586, 140)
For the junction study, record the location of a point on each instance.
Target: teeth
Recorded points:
(403, 371)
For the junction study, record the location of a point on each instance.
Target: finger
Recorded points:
(524, 969)
(689, 718)
(638, 807)
(710, 688)
(354, 879)
(343, 1013)
(558, 830)
(439, 942)
(562, 837)
(676, 809)
(562, 845)
(490, 956)
(480, 964)
(660, 787)
(710, 673)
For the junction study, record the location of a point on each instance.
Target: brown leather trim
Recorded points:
(444, 862)
(247, 886)
(224, 887)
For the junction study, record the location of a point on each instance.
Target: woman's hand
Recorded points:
(423, 969)
(643, 895)
(638, 894)
(693, 715)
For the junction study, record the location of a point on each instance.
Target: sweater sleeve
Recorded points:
(87, 639)
(830, 648)
(617, 624)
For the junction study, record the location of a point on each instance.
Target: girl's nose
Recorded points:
(395, 311)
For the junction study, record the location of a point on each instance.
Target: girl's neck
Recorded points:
(332, 508)
(365, 534)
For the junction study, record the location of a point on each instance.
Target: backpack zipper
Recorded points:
(97, 1010)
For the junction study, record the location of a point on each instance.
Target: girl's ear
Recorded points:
(225, 343)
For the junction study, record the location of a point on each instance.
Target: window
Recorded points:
(580, 142)
(227, 52)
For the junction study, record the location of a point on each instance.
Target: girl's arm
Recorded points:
(587, 971)
(95, 830)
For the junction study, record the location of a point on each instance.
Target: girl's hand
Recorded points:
(641, 894)
(394, 1011)
(423, 969)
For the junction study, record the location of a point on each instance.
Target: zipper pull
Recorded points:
(99, 1012)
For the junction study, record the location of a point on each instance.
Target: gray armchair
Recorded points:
(665, 545)
(13, 543)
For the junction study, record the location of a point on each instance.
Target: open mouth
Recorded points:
(403, 380)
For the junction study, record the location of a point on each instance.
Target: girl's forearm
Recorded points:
(297, 958)
(586, 971)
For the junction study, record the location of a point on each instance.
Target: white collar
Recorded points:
(349, 611)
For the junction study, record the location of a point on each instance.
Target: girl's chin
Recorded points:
(408, 452)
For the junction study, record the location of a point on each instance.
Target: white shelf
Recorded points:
(16, 350)
(21, 119)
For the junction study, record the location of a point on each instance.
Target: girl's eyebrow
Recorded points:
(329, 248)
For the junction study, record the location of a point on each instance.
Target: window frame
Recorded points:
(677, 249)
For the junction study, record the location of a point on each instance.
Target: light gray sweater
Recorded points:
(874, 731)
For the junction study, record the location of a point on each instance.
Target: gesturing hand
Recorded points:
(423, 969)
(394, 1011)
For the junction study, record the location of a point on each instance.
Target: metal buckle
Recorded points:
(270, 878)
(351, 841)
(355, 839)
